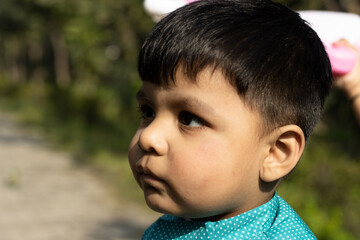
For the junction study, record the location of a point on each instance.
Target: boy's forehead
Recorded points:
(187, 84)
(210, 83)
(175, 97)
(183, 77)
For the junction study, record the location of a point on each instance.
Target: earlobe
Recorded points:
(286, 149)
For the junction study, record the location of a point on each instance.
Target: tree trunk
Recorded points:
(14, 62)
(61, 59)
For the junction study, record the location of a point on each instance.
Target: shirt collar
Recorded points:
(259, 219)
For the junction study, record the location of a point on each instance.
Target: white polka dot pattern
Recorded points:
(273, 220)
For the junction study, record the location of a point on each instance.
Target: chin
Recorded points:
(155, 203)
(167, 209)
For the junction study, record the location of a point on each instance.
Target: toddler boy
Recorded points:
(231, 91)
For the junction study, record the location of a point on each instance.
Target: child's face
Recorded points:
(198, 151)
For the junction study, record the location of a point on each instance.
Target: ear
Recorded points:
(287, 146)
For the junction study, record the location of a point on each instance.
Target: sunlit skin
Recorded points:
(199, 149)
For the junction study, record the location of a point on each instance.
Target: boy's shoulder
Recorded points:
(273, 220)
(288, 224)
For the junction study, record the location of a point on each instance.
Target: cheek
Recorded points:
(215, 161)
(210, 149)
(201, 174)
(134, 153)
(210, 154)
(201, 164)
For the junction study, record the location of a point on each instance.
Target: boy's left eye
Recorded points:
(190, 120)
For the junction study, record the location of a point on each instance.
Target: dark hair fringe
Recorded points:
(269, 54)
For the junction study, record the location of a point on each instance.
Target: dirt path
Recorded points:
(44, 197)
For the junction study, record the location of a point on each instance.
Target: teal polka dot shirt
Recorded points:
(273, 220)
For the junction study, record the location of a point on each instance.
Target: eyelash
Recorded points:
(147, 114)
(145, 110)
(185, 116)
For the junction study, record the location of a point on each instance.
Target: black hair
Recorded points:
(266, 51)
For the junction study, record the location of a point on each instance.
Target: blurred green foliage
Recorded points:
(70, 68)
(74, 64)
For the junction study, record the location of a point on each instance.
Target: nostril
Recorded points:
(145, 149)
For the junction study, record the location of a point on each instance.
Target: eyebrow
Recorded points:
(181, 101)
(191, 102)
(141, 95)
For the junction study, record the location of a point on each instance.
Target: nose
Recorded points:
(153, 138)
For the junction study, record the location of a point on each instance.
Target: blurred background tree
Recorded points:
(75, 62)
(70, 69)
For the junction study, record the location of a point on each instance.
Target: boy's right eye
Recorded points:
(146, 112)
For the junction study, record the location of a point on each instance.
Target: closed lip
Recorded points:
(149, 178)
